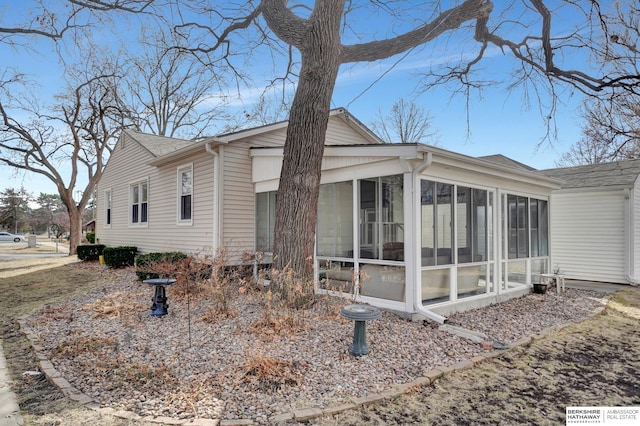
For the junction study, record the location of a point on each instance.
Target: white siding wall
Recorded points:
(162, 233)
(635, 232)
(587, 235)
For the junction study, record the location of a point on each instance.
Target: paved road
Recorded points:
(31, 256)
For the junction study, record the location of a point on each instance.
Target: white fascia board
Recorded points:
(451, 159)
(386, 150)
(611, 188)
(184, 152)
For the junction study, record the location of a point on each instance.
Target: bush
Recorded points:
(147, 264)
(119, 257)
(89, 251)
(91, 237)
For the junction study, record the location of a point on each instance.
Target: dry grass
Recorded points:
(271, 373)
(120, 304)
(80, 344)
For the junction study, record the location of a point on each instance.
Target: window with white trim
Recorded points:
(185, 194)
(139, 202)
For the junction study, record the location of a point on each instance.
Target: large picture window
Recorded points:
(139, 202)
(185, 194)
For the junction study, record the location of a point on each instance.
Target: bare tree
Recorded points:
(73, 137)
(611, 132)
(611, 129)
(55, 20)
(317, 38)
(316, 33)
(407, 122)
(169, 92)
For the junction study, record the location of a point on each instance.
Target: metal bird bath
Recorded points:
(159, 299)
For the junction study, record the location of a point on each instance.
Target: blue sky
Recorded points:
(499, 121)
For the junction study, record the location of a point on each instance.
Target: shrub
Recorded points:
(119, 257)
(89, 251)
(91, 237)
(147, 264)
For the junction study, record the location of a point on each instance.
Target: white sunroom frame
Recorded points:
(416, 162)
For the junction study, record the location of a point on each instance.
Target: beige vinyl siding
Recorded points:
(162, 233)
(340, 133)
(238, 229)
(126, 165)
(587, 234)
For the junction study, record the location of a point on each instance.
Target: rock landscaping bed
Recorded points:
(251, 361)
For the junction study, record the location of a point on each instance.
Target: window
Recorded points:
(437, 220)
(139, 202)
(185, 194)
(107, 204)
(518, 226)
(265, 220)
(539, 228)
(382, 218)
(335, 220)
(471, 224)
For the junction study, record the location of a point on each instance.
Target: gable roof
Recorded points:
(158, 145)
(190, 147)
(341, 113)
(610, 175)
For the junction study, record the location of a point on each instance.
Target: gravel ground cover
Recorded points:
(254, 365)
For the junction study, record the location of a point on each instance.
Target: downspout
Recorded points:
(215, 244)
(629, 238)
(426, 162)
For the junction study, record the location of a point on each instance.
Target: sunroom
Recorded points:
(418, 229)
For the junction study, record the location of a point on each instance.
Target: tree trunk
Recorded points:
(75, 229)
(297, 201)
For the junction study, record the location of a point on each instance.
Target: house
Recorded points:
(406, 227)
(595, 226)
(89, 226)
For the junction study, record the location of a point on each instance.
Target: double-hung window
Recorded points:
(107, 203)
(139, 202)
(185, 194)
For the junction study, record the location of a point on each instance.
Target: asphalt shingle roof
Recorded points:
(619, 173)
(159, 145)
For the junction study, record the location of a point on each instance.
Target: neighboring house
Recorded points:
(595, 226)
(407, 227)
(89, 226)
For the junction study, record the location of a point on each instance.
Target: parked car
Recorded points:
(7, 237)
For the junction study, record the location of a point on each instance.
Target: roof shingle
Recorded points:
(619, 173)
